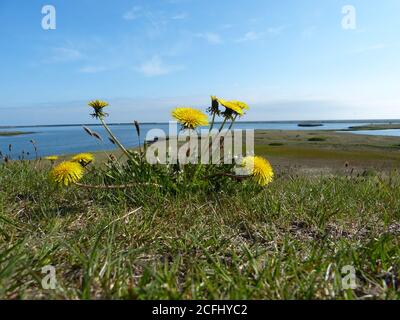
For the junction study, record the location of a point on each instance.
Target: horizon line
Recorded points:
(166, 122)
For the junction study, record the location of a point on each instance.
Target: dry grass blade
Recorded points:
(88, 131)
(126, 215)
(121, 186)
(97, 136)
(137, 126)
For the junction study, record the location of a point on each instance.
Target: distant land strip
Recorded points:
(13, 133)
(388, 126)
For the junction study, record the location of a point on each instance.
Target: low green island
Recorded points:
(13, 133)
(310, 125)
(383, 126)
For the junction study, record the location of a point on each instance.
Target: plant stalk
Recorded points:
(119, 144)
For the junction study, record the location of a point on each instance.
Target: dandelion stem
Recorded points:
(213, 141)
(212, 122)
(119, 144)
(230, 127)
(233, 121)
(223, 124)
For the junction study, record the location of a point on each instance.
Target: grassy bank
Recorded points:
(331, 152)
(288, 240)
(318, 151)
(328, 152)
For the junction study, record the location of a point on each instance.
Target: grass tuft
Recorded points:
(317, 139)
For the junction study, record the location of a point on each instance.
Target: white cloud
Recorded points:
(180, 16)
(227, 26)
(250, 36)
(276, 30)
(155, 21)
(375, 47)
(156, 67)
(254, 35)
(92, 69)
(64, 54)
(210, 37)
(133, 14)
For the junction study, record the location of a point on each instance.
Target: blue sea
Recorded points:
(60, 140)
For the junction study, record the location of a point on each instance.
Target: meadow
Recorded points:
(333, 202)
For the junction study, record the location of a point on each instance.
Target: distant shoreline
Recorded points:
(14, 133)
(371, 121)
(328, 150)
(373, 127)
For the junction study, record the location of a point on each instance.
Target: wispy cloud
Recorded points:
(156, 20)
(156, 67)
(227, 26)
(375, 47)
(250, 36)
(92, 69)
(257, 35)
(133, 13)
(210, 37)
(64, 54)
(179, 16)
(276, 30)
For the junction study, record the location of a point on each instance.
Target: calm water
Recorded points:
(73, 139)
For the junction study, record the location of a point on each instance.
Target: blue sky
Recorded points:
(289, 59)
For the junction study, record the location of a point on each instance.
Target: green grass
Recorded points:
(276, 144)
(360, 152)
(287, 241)
(291, 152)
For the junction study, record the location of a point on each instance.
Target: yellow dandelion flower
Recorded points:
(51, 158)
(232, 106)
(190, 118)
(214, 103)
(83, 158)
(241, 104)
(98, 106)
(260, 169)
(67, 172)
(214, 108)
